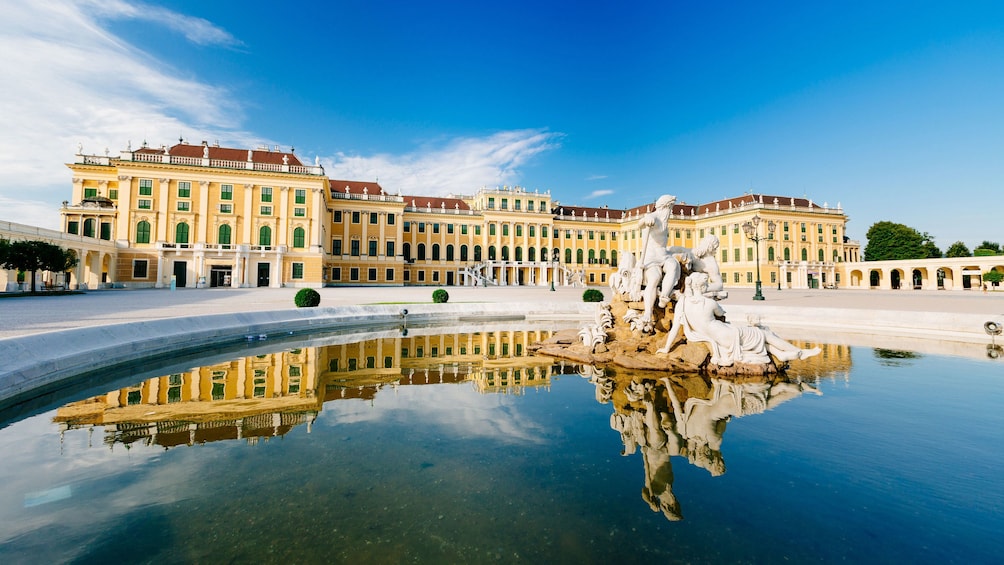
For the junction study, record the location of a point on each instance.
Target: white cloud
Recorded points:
(72, 81)
(459, 166)
(599, 193)
(196, 30)
(596, 177)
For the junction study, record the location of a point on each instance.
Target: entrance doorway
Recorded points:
(180, 274)
(263, 271)
(220, 275)
(449, 278)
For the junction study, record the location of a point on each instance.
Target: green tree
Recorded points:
(987, 248)
(994, 277)
(33, 256)
(890, 241)
(957, 249)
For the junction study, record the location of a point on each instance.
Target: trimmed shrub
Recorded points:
(592, 295)
(440, 296)
(307, 297)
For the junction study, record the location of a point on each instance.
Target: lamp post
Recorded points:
(752, 229)
(555, 258)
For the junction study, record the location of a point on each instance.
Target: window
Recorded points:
(787, 254)
(749, 253)
(700, 233)
(505, 203)
(735, 277)
(516, 205)
(266, 194)
(390, 219)
(354, 244)
(336, 247)
(421, 276)
(491, 229)
(146, 187)
(449, 253)
(578, 234)
(519, 230)
(336, 217)
(491, 203)
(301, 196)
(735, 254)
(226, 192)
(223, 235)
(505, 230)
(770, 253)
(226, 208)
(477, 230)
(592, 234)
(266, 210)
(407, 227)
(336, 273)
(421, 227)
(533, 231)
(389, 248)
(89, 227)
(805, 254)
(543, 206)
(184, 206)
(144, 204)
(354, 274)
(435, 228)
(374, 217)
(184, 189)
(90, 192)
(463, 229)
(388, 362)
(299, 237)
(143, 232)
(300, 212)
(181, 233)
(725, 255)
(749, 277)
(372, 251)
(265, 236)
(371, 274)
(449, 228)
(735, 228)
(821, 255)
(73, 227)
(529, 205)
(139, 268)
(297, 271)
(390, 274)
(355, 217)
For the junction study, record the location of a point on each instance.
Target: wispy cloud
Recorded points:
(599, 193)
(458, 166)
(73, 81)
(196, 30)
(596, 177)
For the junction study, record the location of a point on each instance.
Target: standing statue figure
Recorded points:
(698, 317)
(660, 268)
(702, 260)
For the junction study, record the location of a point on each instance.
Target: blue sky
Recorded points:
(892, 109)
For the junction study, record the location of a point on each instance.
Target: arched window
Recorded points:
(143, 232)
(299, 235)
(265, 236)
(613, 257)
(578, 256)
(787, 254)
(805, 254)
(519, 230)
(821, 256)
(477, 253)
(770, 253)
(519, 253)
(421, 252)
(181, 233)
(568, 255)
(407, 251)
(89, 227)
(592, 256)
(463, 252)
(223, 235)
(603, 255)
(435, 252)
(449, 253)
(531, 254)
(505, 252)
(543, 254)
(491, 252)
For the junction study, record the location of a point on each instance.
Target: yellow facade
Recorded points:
(206, 216)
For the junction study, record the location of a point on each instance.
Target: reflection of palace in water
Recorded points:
(664, 415)
(263, 396)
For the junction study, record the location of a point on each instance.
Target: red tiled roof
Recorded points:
(678, 209)
(748, 199)
(580, 211)
(355, 187)
(436, 203)
(227, 154)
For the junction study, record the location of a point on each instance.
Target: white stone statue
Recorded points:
(701, 259)
(698, 317)
(660, 269)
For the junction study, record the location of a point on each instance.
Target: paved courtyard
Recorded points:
(27, 315)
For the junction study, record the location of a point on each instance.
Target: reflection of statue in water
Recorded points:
(699, 318)
(661, 420)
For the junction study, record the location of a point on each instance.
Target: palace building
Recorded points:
(209, 216)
